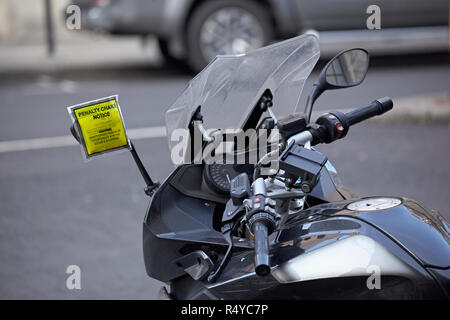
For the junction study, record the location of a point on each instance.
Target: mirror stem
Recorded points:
(315, 92)
(150, 185)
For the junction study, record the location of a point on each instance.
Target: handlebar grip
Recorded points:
(260, 232)
(376, 108)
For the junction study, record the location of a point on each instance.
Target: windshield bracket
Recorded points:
(263, 104)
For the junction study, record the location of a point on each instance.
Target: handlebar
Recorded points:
(328, 128)
(261, 234)
(376, 108)
(333, 126)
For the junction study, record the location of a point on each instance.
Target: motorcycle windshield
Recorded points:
(230, 86)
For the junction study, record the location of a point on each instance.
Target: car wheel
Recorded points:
(226, 27)
(164, 48)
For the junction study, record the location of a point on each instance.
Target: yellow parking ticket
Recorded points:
(100, 126)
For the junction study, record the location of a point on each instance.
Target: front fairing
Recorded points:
(185, 221)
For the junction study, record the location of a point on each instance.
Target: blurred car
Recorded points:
(197, 30)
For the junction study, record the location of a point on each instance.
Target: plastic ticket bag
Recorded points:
(99, 126)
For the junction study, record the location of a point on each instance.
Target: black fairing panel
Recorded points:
(443, 277)
(176, 225)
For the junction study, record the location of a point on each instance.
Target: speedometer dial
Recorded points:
(219, 176)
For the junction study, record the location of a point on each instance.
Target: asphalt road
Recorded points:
(56, 210)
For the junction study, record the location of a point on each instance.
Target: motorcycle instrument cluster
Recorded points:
(219, 176)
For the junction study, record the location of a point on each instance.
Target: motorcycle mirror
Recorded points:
(347, 69)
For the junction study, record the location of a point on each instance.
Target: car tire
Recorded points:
(164, 48)
(259, 17)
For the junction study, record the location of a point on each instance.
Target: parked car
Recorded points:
(197, 30)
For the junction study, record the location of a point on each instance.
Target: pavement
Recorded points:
(81, 53)
(56, 210)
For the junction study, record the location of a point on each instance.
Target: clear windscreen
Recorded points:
(230, 86)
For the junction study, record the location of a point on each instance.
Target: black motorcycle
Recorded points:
(278, 224)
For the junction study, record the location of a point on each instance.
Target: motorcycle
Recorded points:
(281, 226)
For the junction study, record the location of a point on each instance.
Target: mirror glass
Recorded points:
(348, 69)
